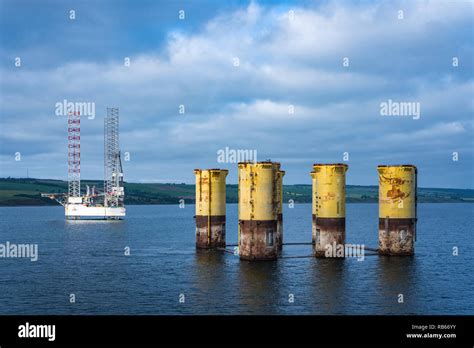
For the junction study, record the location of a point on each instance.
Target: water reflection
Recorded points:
(397, 275)
(259, 286)
(328, 285)
(210, 265)
(94, 237)
(211, 279)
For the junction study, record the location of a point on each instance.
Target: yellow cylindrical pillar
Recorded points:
(258, 210)
(397, 209)
(279, 200)
(329, 209)
(210, 208)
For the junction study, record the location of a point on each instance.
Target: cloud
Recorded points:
(286, 59)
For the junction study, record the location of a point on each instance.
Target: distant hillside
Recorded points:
(27, 192)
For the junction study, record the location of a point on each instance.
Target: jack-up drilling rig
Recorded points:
(110, 203)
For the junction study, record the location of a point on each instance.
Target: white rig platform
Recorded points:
(93, 205)
(79, 211)
(82, 208)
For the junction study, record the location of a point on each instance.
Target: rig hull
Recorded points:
(79, 211)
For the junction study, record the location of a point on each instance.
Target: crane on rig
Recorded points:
(110, 203)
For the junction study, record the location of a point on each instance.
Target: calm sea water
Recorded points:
(86, 258)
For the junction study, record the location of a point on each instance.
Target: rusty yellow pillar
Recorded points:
(279, 200)
(329, 209)
(258, 210)
(210, 208)
(397, 209)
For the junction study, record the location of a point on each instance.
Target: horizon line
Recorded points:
(183, 183)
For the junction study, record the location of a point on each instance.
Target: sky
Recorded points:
(299, 82)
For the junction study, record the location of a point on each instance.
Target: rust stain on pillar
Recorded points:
(258, 210)
(397, 209)
(329, 209)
